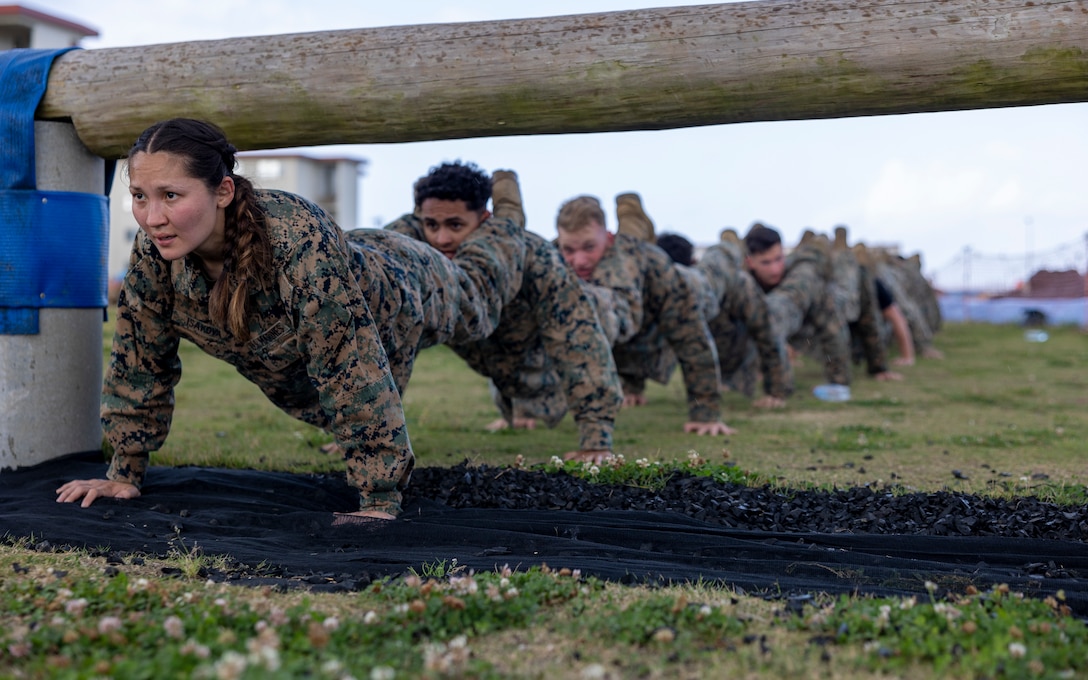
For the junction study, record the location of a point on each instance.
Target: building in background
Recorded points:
(22, 28)
(332, 183)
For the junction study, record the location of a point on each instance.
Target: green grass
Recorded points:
(1008, 416)
(997, 408)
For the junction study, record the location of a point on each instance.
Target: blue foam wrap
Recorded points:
(53, 244)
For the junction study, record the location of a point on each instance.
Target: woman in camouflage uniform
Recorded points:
(268, 282)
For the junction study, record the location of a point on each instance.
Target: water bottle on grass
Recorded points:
(832, 392)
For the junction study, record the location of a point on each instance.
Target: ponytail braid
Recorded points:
(247, 263)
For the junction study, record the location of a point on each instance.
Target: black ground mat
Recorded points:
(279, 528)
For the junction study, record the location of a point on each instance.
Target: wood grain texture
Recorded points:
(632, 70)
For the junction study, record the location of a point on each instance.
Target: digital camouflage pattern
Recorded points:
(804, 296)
(854, 291)
(548, 353)
(317, 348)
(667, 312)
(888, 271)
(740, 324)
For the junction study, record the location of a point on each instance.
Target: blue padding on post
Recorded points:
(52, 243)
(24, 75)
(53, 251)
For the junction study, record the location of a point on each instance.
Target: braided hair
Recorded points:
(247, 260)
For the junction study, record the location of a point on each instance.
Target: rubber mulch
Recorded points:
(278, 529)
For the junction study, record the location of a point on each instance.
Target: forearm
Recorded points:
(900, 331)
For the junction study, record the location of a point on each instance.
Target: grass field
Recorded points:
(998, 416)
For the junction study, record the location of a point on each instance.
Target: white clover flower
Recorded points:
(108, 624)
(931, 586)
(705, 610)
(260, 625)
(642, 462)
(64, 593)
(332, 667)
(331, 623)
(1017, 650)
(382, 673)
(75, 607)
(370, 618)
(220, 602)
(266, 657)
(174, 627)
(279, 616)
(511, 593)
(594, 671)
(230, 666)
(908, 603)
(193, 648)
(594, 470)
(576, 574)
(556, 461)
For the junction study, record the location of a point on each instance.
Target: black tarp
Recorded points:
(283, 524)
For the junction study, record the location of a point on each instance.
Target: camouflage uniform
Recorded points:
(667, 312)
(548, 352)
(894, 278)
(803, 296)
(317, 338)
(854, 291)
(740, 314)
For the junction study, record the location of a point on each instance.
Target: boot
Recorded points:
(506, 197)
(632, 219)
(840, 238)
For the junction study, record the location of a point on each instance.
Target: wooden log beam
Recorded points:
(632, 70)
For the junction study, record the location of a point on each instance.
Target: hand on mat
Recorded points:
(90, 489)
(359, 517)
(769, 402)
(712, 429)
(588, 456)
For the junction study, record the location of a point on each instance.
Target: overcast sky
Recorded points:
(1002, 182)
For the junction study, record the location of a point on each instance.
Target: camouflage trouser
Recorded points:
(646, 357)
(737, 355)
(832, 339)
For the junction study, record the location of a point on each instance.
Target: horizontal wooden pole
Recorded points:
(633, 70)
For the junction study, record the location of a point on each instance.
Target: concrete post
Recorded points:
(50, 383)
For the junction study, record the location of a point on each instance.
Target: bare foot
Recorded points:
(496, 425)
(519, 424)
(634, 400)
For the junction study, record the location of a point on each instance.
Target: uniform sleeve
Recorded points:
(574, 340)
(349, 368)
(138, 390)
(684, 327)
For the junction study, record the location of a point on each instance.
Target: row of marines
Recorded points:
(329, 322)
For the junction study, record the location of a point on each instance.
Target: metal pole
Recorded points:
(51, 382)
